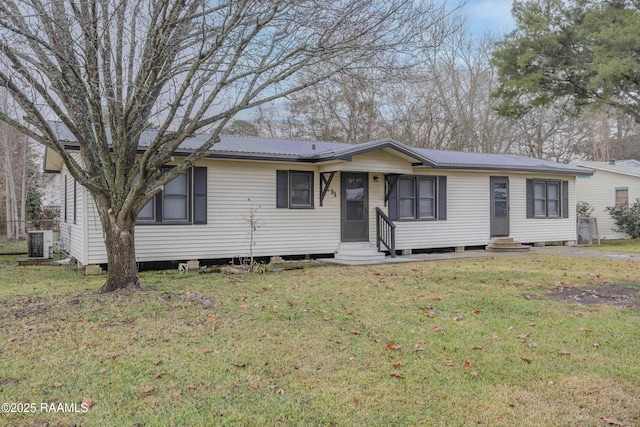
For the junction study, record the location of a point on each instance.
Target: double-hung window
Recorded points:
(547, 198)
(415, 197)
(183, 200)
(622, 197)
(294, 189)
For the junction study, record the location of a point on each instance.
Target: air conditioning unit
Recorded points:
(40, 243)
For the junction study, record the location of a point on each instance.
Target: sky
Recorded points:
(493, 15)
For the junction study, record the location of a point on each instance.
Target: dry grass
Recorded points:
(461, 342)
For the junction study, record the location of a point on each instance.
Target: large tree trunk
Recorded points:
(121, 254)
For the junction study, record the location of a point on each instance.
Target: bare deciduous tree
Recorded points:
(107, 68)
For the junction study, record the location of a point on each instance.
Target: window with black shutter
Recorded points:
(417, 197)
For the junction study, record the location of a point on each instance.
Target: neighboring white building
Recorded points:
(313, 197)
(614, 183)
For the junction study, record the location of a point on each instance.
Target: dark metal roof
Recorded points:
(243, 147)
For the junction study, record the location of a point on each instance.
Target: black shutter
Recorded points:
(282, 185)
(530, 199)
(392, 181)
(200, 195)
(565, 199)
(442, 197)
(75, 200)
(66, 197)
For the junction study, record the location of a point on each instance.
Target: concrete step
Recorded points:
(506, 244)
(521, 248)
(358, 251)
(501, 239)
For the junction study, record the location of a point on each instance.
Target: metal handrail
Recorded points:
(385, 232)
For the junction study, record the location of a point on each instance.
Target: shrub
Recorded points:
(583, 210)
(626, 218)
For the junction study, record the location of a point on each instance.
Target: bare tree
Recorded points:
(108, 68)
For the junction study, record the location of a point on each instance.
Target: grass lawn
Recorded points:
(618, 245)
(459, 342)
(12, 246)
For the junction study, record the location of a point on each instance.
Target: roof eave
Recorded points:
(586, 172)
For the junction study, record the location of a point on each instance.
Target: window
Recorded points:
(294, 189)
(547, 198)
(414, 197)
(175, 199)
(182, 201)
(622, 197)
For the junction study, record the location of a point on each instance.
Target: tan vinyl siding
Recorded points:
(375, 161)
(234, 187)
(531, 230)
(467, 222)
(72, 232)
(600, 192)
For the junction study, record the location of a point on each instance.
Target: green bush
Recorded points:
(627, 219)
(583, 210)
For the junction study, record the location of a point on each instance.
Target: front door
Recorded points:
(499, 206)
(354, 207)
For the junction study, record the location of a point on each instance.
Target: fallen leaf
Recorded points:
(146, 389)
(448, 362)
(613, 422)
(356, 332)
(38, 384)
(458, 318)
(467, 365)
(563, 353)
(473, 373)
(432, 313)
(240, 365)
(57, 384)
(396, 374)
(476, 348)
(495, 336)
(526, 360)
(418, 348)
(532, 324)
(159, 374)
(438, 330)
(206, 350)
(82, 347)
(87, 402)
(476, 311)
(243, 306)
(392, 346)
(437, 298)
(157, 362)
(523, 336)
(596, 345)
(103, 370)
(191, 387)
(584, 329)
(397, 364)
(12, 339)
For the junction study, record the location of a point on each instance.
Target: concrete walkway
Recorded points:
(567, 251)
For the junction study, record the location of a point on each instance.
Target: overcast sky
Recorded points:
(492, 15)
